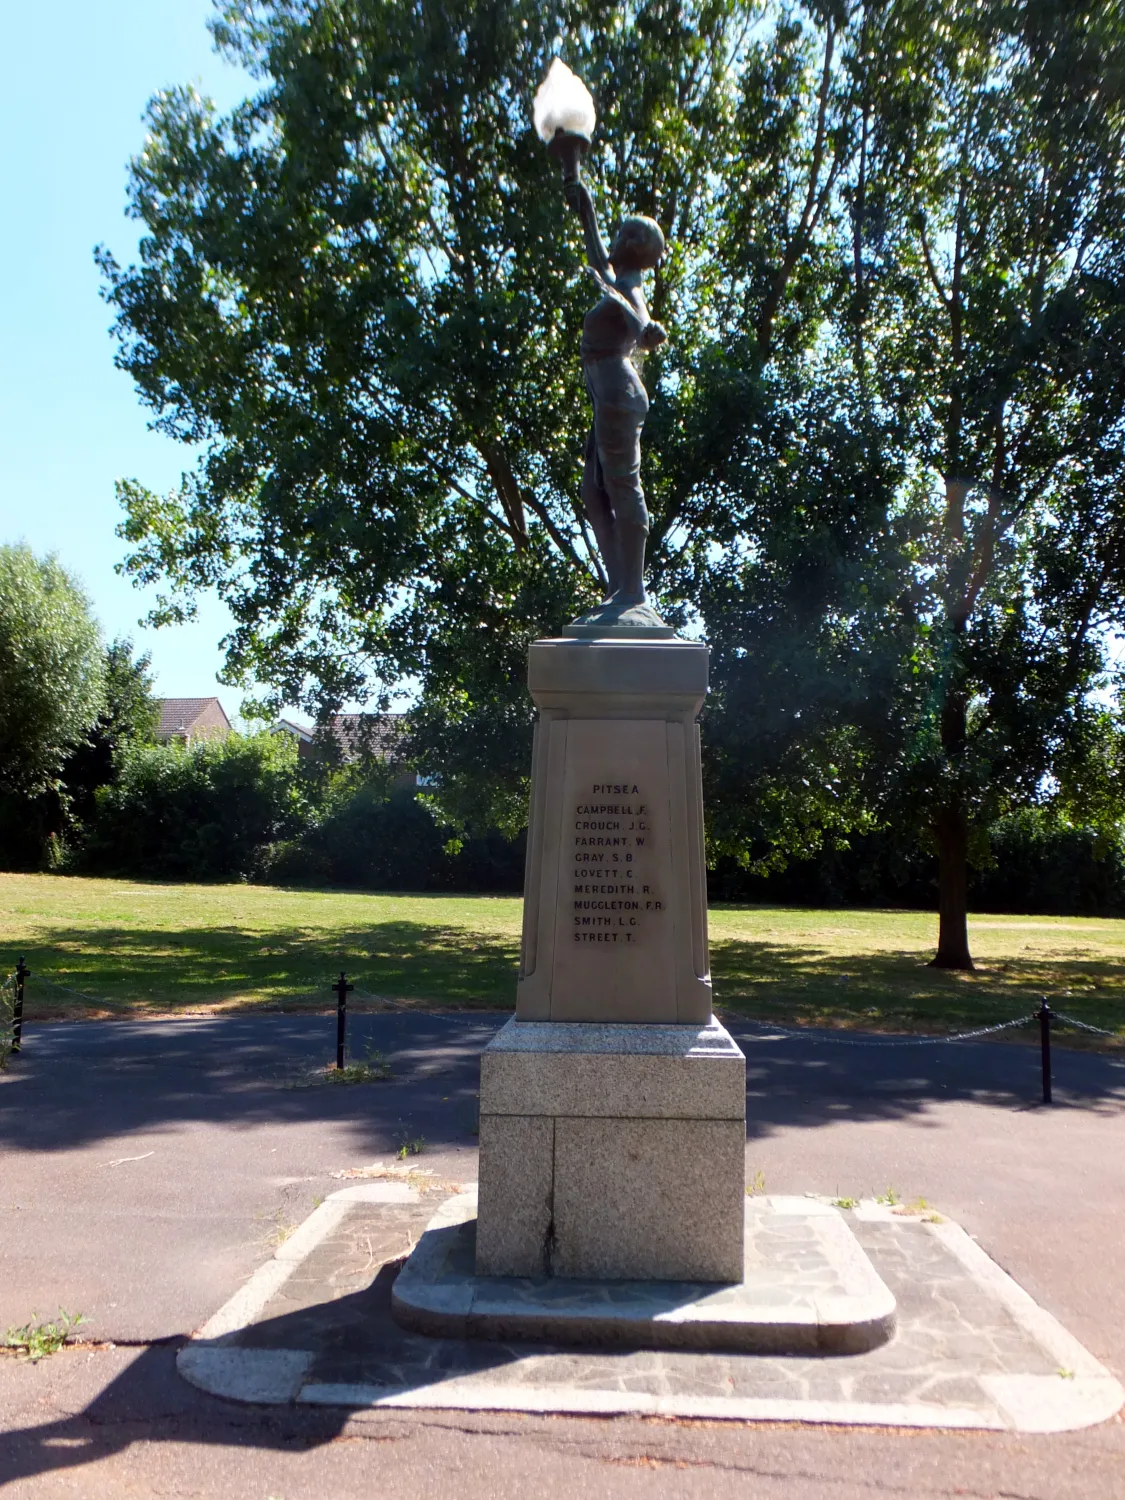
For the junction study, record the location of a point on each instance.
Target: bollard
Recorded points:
(343, 989)
(1045, 1048)
(22, 973)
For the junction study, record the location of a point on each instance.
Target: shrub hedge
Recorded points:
(247, 808)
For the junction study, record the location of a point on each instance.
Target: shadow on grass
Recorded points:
(140, 971)
(89, 971)
(876, 991)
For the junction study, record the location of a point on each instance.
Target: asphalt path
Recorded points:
(146, 1168)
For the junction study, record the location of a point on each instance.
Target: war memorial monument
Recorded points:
(612, 1200)
(610, 1259)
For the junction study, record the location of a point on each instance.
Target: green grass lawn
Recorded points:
(113, 947)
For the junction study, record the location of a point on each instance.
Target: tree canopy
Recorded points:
(51, 670)
(128, 717)
(884, 451)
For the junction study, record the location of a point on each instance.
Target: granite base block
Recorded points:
(516, 1226)
(654, 1199)
(612, 1151)
(619, 1071)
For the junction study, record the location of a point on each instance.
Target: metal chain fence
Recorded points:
(11, 1012)
(810, 1035)
(1081, 1025)
(12, 992)
(1044, 1017)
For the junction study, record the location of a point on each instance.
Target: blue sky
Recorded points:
(75, 76)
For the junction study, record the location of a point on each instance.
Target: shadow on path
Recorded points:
(77, 1082)
(150, 1403)
(81, 1082)
(823, 1077)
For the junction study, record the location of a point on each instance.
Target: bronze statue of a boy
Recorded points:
(613, 331)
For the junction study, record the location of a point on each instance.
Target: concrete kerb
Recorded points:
(579, 1403)
(1034, 1403)
(1082, 1394)
(271, 1377)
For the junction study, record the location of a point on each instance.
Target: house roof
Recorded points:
(379, 733)
(302, 731)
(180, 715)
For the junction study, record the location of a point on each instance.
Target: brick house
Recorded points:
(381, 734)
(191, 719)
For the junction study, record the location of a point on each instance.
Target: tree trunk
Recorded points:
(951, 831)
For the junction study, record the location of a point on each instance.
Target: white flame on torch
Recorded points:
(563, 102)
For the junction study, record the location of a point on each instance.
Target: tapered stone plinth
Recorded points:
(615, 909)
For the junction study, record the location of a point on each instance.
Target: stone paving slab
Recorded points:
(971, 1350)
(806, 1288)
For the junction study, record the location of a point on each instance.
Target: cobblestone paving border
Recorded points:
(974, 1350)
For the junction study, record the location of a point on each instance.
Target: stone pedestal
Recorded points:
(612, 1152)
(613, 1106)
(612, 1131)
(615, 899)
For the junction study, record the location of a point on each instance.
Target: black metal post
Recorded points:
(1045, 1048)
(343, 989)
(22, 973)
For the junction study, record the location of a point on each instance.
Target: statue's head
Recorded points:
(639, 245)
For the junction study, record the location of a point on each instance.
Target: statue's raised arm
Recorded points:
(597, 253)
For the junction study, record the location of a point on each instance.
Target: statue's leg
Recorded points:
(619, 452)
(599, 511)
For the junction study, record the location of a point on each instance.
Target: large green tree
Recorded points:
(51, 670)
(994, 174)
(362, 293)
(938, 660)
(883, 451)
